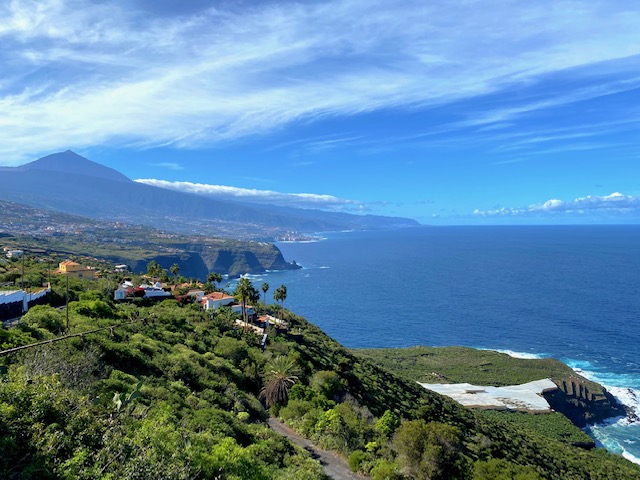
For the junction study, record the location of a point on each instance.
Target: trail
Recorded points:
(334, 466)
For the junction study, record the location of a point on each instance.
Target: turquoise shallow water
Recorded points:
(570, 292)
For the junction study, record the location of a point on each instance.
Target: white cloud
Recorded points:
(614, 204)
(168, 165)
(80, 73)
(304, 200)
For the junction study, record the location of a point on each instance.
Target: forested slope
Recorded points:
(171, 393)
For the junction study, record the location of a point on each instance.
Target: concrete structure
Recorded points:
(75, 270)
(121, 268)
(526, 397)
(14, 253)
(271, 320)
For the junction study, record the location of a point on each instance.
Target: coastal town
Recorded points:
(14, 302)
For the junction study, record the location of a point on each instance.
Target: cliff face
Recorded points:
(583, 402)
(229, 257)
(251, 257)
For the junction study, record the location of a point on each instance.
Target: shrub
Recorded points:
(44, 316)
(355, 460)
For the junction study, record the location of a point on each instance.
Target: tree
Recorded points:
(265, 289)
(280, 373)
(280, 295)
(245, 293)
(214, 277)
(154, 270)
(175, 268)
(430, 451)
(44, 316)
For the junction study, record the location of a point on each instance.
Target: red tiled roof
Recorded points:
(218, 296)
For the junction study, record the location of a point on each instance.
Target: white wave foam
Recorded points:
(625, 396)
(511, 353)
(252, 276)
(630, 398)
(630, 457)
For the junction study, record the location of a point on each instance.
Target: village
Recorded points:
(154, 286)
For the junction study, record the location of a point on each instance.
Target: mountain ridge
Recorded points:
(70, 183)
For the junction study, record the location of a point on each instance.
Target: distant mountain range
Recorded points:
(70, 183)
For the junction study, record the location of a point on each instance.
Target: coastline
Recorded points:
(553, 298)
(592, 413)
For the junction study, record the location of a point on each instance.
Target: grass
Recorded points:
(463, 364)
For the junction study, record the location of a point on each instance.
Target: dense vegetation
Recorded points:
(170, 392)
(463, 364)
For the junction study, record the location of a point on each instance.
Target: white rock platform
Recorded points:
(526, 397)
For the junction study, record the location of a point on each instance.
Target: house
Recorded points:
(14, 253)
(143, 291)
(121, 293)
(215, 300)
(121, 268)
(15, 302)
(197, 294)
(75, 270)
(154, 291)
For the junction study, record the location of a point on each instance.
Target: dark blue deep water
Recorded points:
(570, 292)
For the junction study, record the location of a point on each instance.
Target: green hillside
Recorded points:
(169, 392)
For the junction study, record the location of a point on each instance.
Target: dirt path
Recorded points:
(334, 466)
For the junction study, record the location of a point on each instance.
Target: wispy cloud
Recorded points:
(614, 204)
(81, 73)
(303, 200)
(168, 165)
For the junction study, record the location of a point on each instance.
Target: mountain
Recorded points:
(71, 163)
(70, 183)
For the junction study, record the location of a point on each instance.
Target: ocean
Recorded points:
(568, 292)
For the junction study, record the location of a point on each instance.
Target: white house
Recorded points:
(14, 253)
(154, 291)
(215, 300)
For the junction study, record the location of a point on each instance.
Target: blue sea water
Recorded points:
(569, 292)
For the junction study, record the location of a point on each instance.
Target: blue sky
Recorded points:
(449, 112)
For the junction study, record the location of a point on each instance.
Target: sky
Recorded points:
(445, 111)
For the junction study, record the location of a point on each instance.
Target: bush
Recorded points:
(355, 460)
(44, 316)
(385, 470)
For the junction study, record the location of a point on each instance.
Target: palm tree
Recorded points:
(154, 270)
(280, 373)
(175, 268)
(244, 294)
(214, 277)
(265, 289)
(280, 295)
